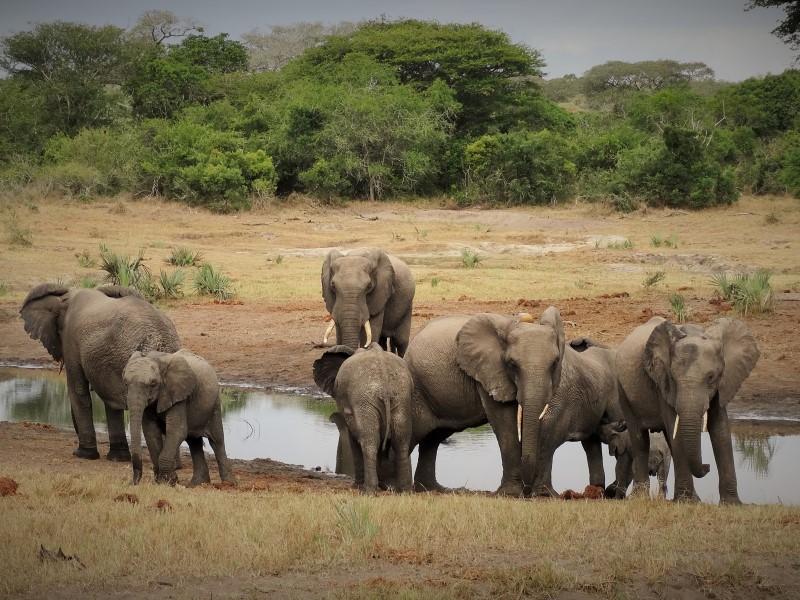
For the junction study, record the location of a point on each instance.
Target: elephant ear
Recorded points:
(327, 366)
(740, 354)
(40, 312)
(327, 274)
(178, 380)
(551, 317)
(120, 291)
(382, 281)
(480, 345)
(658, 359)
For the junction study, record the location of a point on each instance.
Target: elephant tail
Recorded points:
(387, 419)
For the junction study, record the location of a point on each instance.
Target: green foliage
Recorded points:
(789, 28)
(434, 282)
(767, 105)
(353, 521)
(653, 277)
(123, 270)
(216, 54)
(678, 307)
(85, 260)
(171, 284)
(645, 75)
(520, 168)
(210, 282)
(184, 257)
(4, 288)
(749, 293)
(16, 233)
(625, 244)
(670, 242)
(470, 258)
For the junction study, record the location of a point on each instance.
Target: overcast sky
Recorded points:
(572, 35)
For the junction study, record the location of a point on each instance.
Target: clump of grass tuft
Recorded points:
(679, 309)
(771, 219)
(124, 271)
(4, 288)
(625, 244)
(434, 282)
(653, 277)
(279, 259)
(87, 281)
(749, 293)
(171, 284)
(210, 282)
(85, 260)
(353, 521)
(183, 257)
(470, 259)
(16, 233)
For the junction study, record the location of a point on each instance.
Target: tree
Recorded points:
(155, 27)
(271, 51)
(69, 65)
(645, 75)
(216, 54)
(789, 28)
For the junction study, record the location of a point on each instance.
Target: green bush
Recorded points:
(210, 282)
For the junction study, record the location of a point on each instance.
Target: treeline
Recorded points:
(381, 109)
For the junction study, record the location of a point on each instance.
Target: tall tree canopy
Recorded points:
(271, 51)
(788, 29)
(644, 75)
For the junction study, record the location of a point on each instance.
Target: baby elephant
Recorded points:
(174, 397)
(372, 389)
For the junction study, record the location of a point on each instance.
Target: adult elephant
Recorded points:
(93, 332)
(368, 292)
(677, 379)
(585, 408)
(471, 370)
(174, 397)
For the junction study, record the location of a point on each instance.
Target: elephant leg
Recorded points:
(176, 432)
(719, 430)
(80, 402)
(402, 455)
(369, 453)
(425, 475)
(543, 481)
(684, 480)
(199, 465)
(594, 458)
(402, 335)
(623, 472)
(118, 443)
(640, 448)
(216, 437)
(503, 418)
(152, 436)
(358, 462)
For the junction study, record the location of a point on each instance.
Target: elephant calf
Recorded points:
(174, 397)
(372, 389)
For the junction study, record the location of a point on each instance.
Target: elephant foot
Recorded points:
(168, 479)
(731, 500)
(614, 492)
(119, 454)
(509, 489)
(686, 496)
(194, 482)
(87, 453)
(434, 486)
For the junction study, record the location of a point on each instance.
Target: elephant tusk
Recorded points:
(368, 329)
(675, 429)
(328, 331)
(519, 422)
(705, 421)
(546, 406)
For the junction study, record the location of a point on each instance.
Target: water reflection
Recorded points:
(297, 430)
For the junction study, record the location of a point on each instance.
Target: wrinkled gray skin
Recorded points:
(369, 285)
(175, 397)
(471, 370)
(94, 332)
(345, 463)
(585, 408)
(668, 372)
(658, 465)
(372, 390)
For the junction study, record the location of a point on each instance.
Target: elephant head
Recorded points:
(516, 360)
(693, 368)
(356, 288)
(154, 378)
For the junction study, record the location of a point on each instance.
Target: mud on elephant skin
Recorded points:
(676, 380)
(93, 332)
(175, 397)
(368, 293)
(372, 389)
(472, 370)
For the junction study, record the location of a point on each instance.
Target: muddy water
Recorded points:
(296, 429)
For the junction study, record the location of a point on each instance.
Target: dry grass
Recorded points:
(522, 250)
(509, 547)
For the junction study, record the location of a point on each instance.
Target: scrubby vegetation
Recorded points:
(377, 110)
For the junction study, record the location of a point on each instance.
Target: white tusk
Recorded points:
(368, 329)
(328, 331)
(519, 421)
(675, 429)
(705, 421)
(546, 406)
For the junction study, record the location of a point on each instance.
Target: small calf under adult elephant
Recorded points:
(372, 389)
(677, 379)
(368, 293)
(175, 397)
(93, 332)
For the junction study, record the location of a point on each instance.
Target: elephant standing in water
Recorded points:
(470, 370)
(677, 380)
(93, 332)
(372, 390)
(368, 292)
(175, 397)
(658, 464)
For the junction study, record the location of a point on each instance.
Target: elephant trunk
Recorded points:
(531, 426)
(350, 323)
(136, 411)
(689, 427)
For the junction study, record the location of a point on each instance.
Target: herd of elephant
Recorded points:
(649, 399)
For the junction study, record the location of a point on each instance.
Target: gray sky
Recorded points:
(572, 35)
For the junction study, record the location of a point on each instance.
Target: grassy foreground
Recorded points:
(459, 545)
